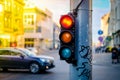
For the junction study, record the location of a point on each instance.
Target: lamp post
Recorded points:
(83, 41)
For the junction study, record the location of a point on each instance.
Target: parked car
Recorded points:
(20, 58)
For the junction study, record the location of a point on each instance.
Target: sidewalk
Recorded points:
(103, 69)
(103, 59)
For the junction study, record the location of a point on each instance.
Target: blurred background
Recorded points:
(35, 23)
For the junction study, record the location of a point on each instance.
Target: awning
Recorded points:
(117, 32)
(32, 35)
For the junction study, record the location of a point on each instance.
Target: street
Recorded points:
(102, 70)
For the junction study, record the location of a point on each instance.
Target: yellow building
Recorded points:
(11, 28)
(38, 25)
(104, 27)
(104, 24)
(32, 26)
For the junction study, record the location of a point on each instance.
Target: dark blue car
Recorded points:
(20, 58)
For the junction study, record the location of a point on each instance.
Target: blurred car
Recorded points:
(20, 58)
(108, 49)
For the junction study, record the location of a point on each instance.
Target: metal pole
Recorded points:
(83, 70)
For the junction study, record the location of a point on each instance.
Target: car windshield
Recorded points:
(28, 53)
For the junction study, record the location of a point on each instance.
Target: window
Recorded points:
(38, 29)
(32, 22)
(29, 39)
(29, 42)
(4, 52)
(15, 53)
(116, 12)
(7, 21)
(7, 4)
(10, 53)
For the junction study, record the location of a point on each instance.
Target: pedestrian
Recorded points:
(114, 55)
(118, 53)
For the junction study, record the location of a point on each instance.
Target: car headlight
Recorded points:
(48, 61)
(43, 60)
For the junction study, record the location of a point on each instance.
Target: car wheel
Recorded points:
(34, 68)
(5, 69)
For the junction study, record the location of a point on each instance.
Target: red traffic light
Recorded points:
(66, 37)
(66, 21)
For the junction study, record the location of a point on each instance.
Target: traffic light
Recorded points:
(67, 38)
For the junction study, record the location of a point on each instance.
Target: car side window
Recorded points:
(4, 52)
(15, 53)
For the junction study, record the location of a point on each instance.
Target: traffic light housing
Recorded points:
(67, 38)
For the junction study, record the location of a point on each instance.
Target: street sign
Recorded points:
(100, 32)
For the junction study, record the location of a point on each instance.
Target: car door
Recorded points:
(5, 58)
(19, 61)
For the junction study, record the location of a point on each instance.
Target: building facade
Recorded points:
(104, 28)
(32, 27)
(56, 33)
(11, 23)
(114, 23)
(47, 30)
(104, 24)
(38, 26)
(24, 24)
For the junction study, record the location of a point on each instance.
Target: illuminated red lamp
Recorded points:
(13, 44)
(66, 21)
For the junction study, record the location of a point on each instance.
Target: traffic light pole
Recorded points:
(83, 41)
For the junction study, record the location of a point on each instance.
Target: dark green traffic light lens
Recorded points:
(66, 53)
